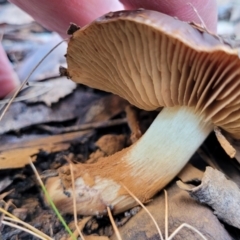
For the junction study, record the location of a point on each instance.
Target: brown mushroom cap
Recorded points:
(154, 60)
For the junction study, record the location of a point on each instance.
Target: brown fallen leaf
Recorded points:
(17, 155)
(107, 145)
(110, 143)
(219, 193)
(182, 209)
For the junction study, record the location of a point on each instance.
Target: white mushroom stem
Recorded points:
(144, 168)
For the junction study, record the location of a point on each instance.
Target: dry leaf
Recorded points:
(50, 67)
(57, 89)
(103, 109)
(21, 115)
(182, 209)
(219, 193)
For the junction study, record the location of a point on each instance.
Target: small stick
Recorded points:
(85, 126)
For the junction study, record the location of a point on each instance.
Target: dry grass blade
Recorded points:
(114, 224)
(199, 17)
(74, 202)
(27, 227)
(187, 226)
(50, 200)
(40, 89)
(26, 80)
(24, 229)
(166, 214)
(150, 215)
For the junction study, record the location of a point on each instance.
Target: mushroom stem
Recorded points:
(144, 168)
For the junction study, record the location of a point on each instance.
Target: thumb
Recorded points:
(182, 9)
(8, 78)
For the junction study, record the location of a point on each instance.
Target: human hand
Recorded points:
(56, 15)
(8, 78)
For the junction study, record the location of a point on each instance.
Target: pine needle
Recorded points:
(147, 211)
(187, 226)
(26, 225)
(114, 224)
(166, 214)
(24, 229)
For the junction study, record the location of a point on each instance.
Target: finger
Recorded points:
(8, 78)
(207, 9)
(56, 15)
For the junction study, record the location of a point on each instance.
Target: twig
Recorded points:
(86, 126)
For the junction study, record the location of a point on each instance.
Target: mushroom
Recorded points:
(153, 61)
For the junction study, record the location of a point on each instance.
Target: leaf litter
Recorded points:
(39, 116)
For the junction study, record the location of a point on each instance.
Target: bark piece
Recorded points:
(17, 155)
(220, 194)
